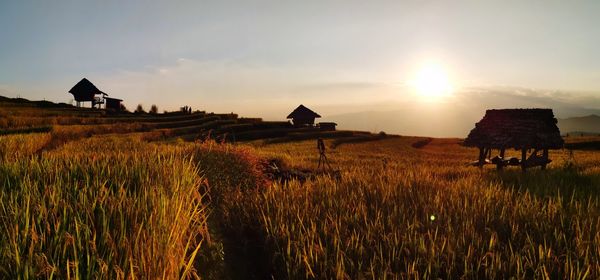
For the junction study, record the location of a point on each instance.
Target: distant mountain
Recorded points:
(586, 125)
(441, 122)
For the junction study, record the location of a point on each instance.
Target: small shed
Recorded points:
(113, 104)
(85, 91)
(303, 116)
(519, 129)
(328, 126)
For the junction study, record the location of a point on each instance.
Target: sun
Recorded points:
(432, 81)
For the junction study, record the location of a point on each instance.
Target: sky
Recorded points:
(263, 58)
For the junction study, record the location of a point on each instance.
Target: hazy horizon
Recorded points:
(262, 59)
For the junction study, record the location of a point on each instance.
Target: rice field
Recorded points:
(120, 200)
(111, 207)
(401, 212)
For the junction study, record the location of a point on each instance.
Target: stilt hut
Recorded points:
(303, 116)
(85, 91)
(524, 130)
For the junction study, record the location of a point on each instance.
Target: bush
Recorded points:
(421, 143)
(154, 109)
(139, 109)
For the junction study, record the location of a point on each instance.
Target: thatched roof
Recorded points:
(516, 128)
(85, 90)
(302, 112)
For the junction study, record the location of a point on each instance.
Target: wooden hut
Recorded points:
(303, 116)
(520, 129)
(85, 91)
(113, 104)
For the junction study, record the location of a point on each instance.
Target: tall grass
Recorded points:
(77, 204)
(101, 208)
(17, 146)
(115, 207)
(399, 212)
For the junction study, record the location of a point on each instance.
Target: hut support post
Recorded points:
(523, 159)
(500, 164)
(481, 157)
(545, 157)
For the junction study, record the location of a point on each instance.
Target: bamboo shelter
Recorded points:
(524, 130)
(302, 116)
(85, 91)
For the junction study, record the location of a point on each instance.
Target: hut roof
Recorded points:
(303, 112)
(110, 98)
(516, 128)
(85, 90)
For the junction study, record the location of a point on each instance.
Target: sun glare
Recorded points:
(432, 81)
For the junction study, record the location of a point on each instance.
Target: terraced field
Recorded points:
(84, 194)
(22, 116)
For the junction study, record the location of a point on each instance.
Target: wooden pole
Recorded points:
(500, 164)
(481, 156)
(523, 159)
(545, 157)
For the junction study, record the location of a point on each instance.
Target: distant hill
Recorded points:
(586, 125)
(7, 101)
(442, 122)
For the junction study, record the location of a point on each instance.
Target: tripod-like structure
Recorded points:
(322, 157)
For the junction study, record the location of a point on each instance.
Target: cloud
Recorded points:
(269, 91)
(456, 116)
(338, 86)
(252, 89)
(565, 104)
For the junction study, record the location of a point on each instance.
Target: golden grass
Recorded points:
(400, 212)
(78, 204)
(122, 209)
(113, 206)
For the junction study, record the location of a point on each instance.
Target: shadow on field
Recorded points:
(567, 181)
(278, 171)
(248, 253)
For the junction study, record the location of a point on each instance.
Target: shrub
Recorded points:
(154, 109)
(139, 109)
(421, 143)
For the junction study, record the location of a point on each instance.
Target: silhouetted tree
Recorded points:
(139, 109)
(153, 110)
(122, 108)
(186, 109)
